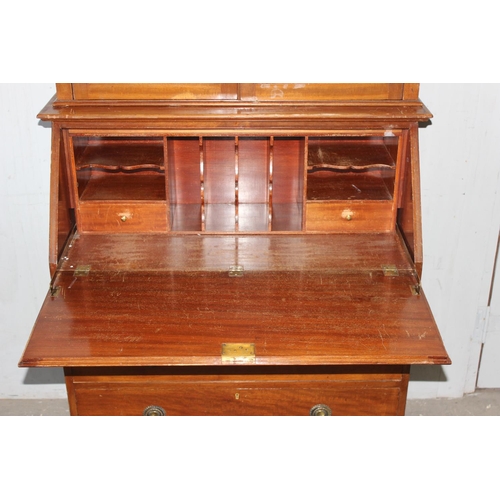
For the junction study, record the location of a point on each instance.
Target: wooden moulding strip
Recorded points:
(55, 168)
(397, 180)
(415, 185)
(84, 93)
(71, 166)
(395, 127)
(403, 149)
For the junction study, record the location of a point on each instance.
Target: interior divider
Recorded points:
(304, 182)
(202, 185)
(168, 181)
(270, 183)
(236, 183)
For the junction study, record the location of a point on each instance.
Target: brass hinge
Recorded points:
(390, 270)
(238, 353)
(82, 270)
(415, 289)
(236, 271)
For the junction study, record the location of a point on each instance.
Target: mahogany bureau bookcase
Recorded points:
(235, 249)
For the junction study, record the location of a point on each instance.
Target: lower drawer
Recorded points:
(272, 395)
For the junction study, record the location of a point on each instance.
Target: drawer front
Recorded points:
(122, 217)
(349, 217)
(233, 398)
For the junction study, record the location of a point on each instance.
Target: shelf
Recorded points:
(144, 186)
(352, 152)
(287, 217)
(241, 218)
(186, 217)
(243, 184)
(367, 185)
(118, 253)
(351, 168)
(118, 153)
(119, 169)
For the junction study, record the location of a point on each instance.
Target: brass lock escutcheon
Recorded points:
(320, 411)
(154, 411)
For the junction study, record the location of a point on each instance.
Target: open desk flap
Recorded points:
(165, 301)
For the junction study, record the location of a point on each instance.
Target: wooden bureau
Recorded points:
(235, 249)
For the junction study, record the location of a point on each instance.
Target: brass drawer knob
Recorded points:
(320, 411)
(123, 218)
(347, 214)
(154, 411)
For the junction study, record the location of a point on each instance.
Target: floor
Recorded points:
(483, 402)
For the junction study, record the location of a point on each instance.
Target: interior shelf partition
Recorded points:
(245, 184)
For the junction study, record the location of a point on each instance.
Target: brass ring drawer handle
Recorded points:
(154, 411)
(320, 411)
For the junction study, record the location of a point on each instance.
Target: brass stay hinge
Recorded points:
(390, 270)
(82, 270)
(236, 271)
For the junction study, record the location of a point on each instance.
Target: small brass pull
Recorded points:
(154, 411)
(320, 411)
(123, 218)
(347, 214)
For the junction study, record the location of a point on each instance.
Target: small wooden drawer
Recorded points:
(123, 217)
(344, 216)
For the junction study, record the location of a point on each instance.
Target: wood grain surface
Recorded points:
(313, 315)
